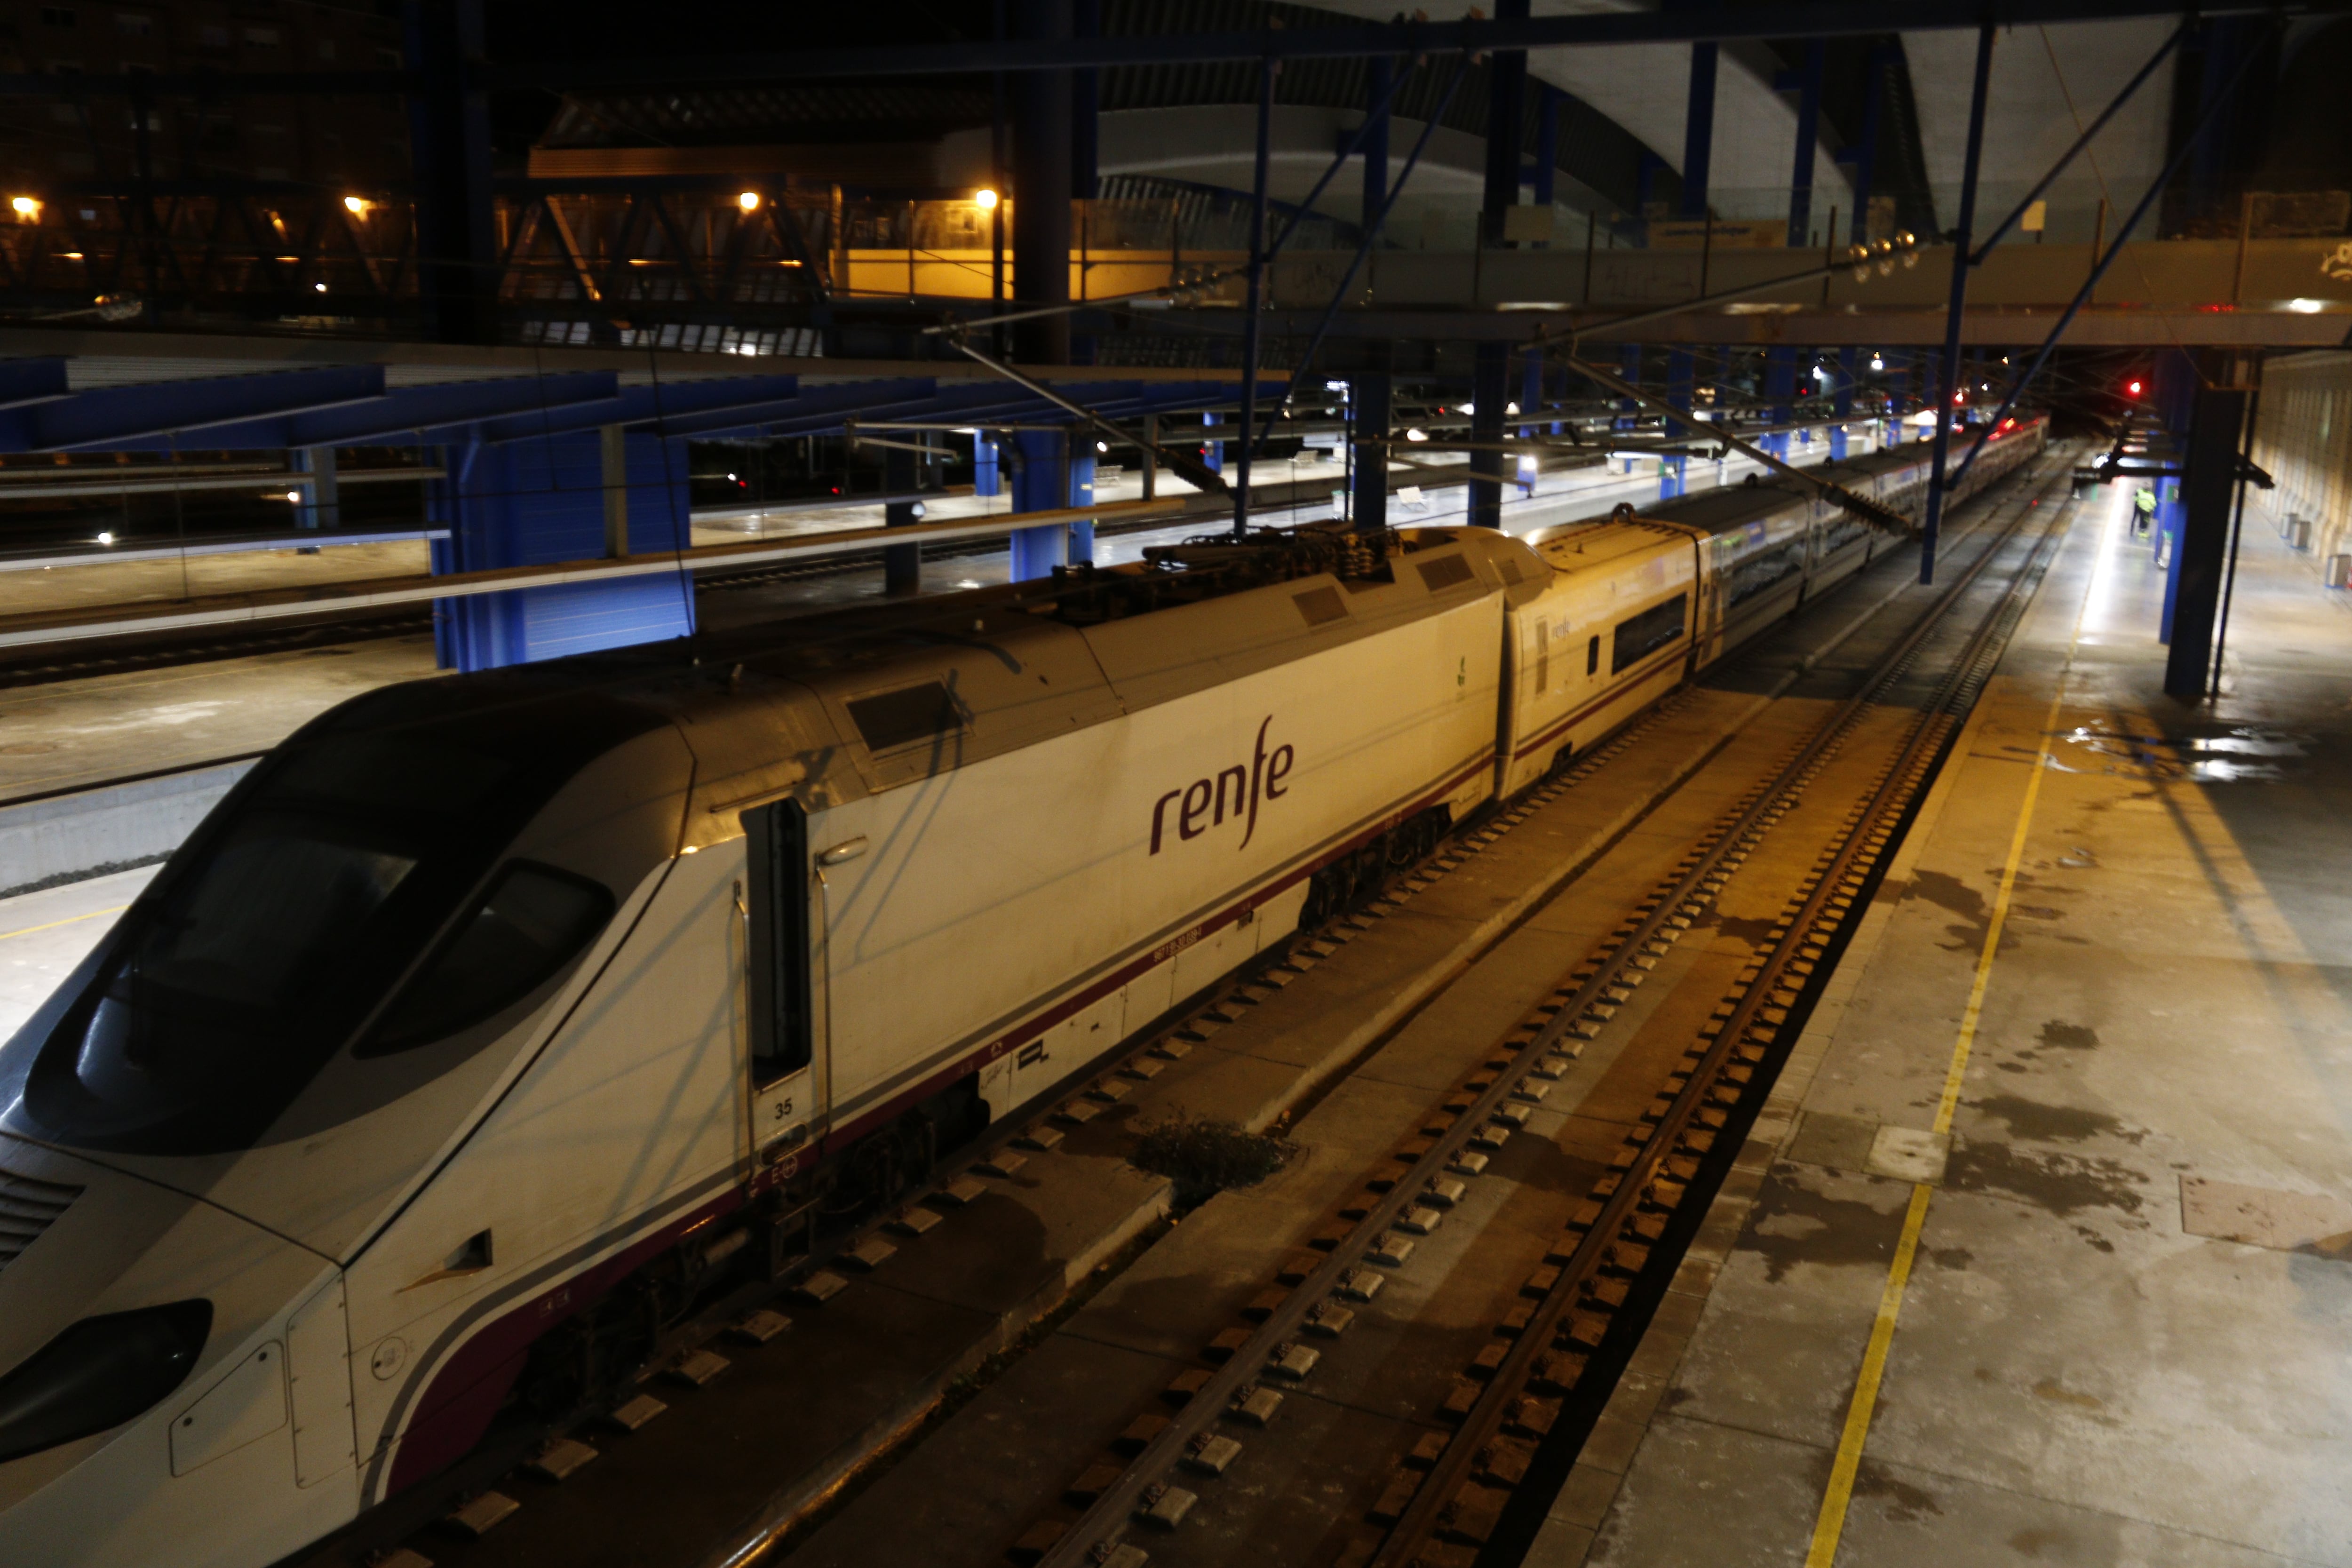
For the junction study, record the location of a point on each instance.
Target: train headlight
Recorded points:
(99, 1373)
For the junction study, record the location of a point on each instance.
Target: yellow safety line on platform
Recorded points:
(69, 919)
(1829, 1526)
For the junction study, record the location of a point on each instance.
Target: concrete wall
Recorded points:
(67, 837)
(2303, 440)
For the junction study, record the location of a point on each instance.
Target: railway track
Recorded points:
(1549, 1038)
(1444, 1500)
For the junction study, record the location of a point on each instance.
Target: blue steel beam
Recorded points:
(856, 400)
(647, 407)
(26, 381)
(109, 416)
(414, 413)
(967, 405)
(962, 404)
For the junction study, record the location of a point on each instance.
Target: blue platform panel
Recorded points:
(540, 501)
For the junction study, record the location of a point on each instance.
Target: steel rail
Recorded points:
(1484, 1419)
(1103, 1520)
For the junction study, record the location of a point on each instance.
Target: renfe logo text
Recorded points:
(1205, 803)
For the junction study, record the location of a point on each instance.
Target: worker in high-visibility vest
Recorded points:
(2144, 513)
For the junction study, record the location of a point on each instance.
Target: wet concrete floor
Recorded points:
(2129, 1232)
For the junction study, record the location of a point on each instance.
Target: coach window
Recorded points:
(779, 947)
(1592, 656)
(1646, 633)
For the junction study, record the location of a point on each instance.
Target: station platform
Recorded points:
(2041, 1250)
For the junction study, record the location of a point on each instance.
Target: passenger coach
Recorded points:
(492, 1020)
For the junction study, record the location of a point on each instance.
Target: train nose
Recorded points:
(69, 1233)
(143, 1366)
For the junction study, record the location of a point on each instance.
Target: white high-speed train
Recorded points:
(492, 1019)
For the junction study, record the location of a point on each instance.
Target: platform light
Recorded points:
(748, 200)
(357, 206)
(1528, 463)
(1416, 435)
(294, 496)
(25, 207)
(321, 288)
(1878, 362)
(985, 199)
(1510, 408)
(1466, 409)
(2303, 307)
(106, 539)
(1102, 446)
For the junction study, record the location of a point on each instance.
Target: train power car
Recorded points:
(491, 1020)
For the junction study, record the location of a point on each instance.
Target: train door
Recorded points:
(782, 1022)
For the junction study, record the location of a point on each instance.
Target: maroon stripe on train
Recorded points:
(466, 1390)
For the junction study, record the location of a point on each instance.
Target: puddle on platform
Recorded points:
(2232, 756)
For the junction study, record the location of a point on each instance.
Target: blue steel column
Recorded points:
(1543, 184)
(1961, 238)
(2175, 402)
(1041, 271)
(1041, 187)
(1081, 550)
(542, 501)
(449, 138)
(1681, 374)
(1841, 405)
(1371, 397)
(1371, 403)
(902, 564)
(1781, 388)
(1041, 482)
(1699, 157)
(1808, 112)
(1865, 149)
(1698, 130)
(1254, 298)
(986, 470)
(1086, 121)
(1490, 386)
(321, 505)
(2193, 592)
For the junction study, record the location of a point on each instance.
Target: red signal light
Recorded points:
(2131, 389)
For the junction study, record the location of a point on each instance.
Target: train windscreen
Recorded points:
(278, 931)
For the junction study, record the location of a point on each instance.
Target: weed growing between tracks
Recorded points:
(1204, 1157)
